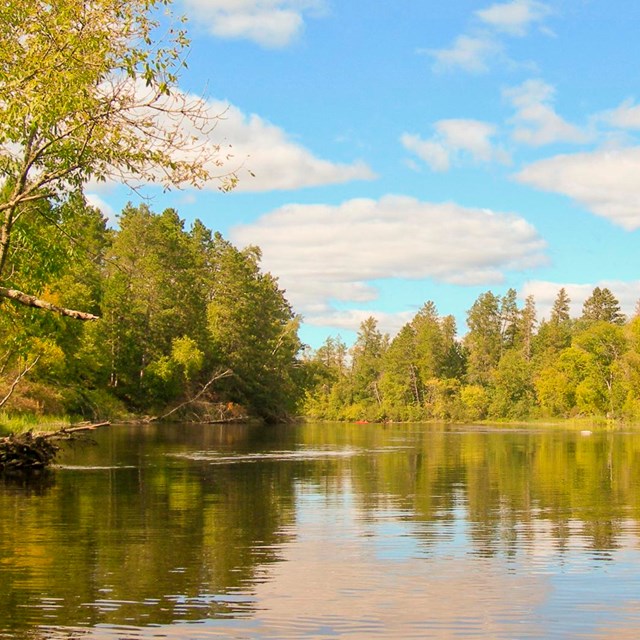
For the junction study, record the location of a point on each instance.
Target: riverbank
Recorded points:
(21, 423)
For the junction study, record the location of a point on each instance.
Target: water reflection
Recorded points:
(324, 531)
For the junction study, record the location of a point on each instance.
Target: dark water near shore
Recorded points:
(326, 531)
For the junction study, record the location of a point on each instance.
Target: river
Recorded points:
(326, 531)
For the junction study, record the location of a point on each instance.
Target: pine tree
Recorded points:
(602, 305)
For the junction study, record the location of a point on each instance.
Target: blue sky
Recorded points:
(414, 150)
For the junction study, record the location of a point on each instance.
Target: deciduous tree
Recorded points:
(88, 93)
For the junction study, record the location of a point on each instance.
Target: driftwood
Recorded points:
(34, 451)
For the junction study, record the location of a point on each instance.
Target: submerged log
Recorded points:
(34, 451)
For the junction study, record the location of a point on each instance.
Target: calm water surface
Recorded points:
(326, 531)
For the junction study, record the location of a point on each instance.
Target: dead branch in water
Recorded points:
(33, 451)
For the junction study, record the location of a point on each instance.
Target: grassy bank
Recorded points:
(20, 423)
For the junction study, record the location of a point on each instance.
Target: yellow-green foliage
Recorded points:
(503, 369)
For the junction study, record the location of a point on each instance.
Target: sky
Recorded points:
(391, 152)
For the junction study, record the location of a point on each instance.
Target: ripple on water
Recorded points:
(215, 457)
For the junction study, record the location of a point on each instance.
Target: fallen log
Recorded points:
(34, 451)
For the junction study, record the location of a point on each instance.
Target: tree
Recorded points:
(430, 347)
(556, 383)
(603, 306)
(153, 294)
(527, 326)
(253, 331)
(509, 316)
(605, 343)
(367, 353)
(454, 363)
(554, 335)
(67, 273)
(484, 339)
(513, 393)
(88, 94)
(400, 382)
(561, 308)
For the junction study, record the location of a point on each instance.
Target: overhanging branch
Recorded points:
(32, 301)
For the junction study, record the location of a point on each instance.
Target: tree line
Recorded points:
(507, 366)
(186, 320)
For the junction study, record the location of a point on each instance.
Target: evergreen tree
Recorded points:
(400, 382)
(509, 317)
(366, 354)
(484, 339)
(254, 332)
(561, 308)
(603, 306)
(527, 326)
(152, 297)
(554, 335)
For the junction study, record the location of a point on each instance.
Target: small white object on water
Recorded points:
(586, 432)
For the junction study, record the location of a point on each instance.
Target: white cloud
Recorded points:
(269, 23)
(536, 122)
(513, 18)
(351, 319)
(605, 182)
(324, 253)
(475, 51)
(626, 116)
(226, 140)
(94, 200)
(453, 140)
(276, 161)
(545, 293)
(434, 153)
(470, 53)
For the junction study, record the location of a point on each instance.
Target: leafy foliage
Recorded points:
(89, 92)
(506, 366)
(178, 307)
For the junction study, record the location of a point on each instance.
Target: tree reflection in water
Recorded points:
(174, 524)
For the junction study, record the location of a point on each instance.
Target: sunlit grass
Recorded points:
(20, 423)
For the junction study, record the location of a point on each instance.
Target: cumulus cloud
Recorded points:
(454, 139)
(545, 293)
(269, 23)
(102, 205)
(514, 18)
(626, 116)
(605, 182)
(324, 254)
(226, 142)
(536, 122)
(476, 50)
(276, 161)
(264, 156)
(351, 319)
(469, 53)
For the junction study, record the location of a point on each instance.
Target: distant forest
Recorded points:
(508, 366)
(189, 322)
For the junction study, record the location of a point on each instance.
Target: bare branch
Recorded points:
(216, 376)
(19, 377)
(32, 301)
